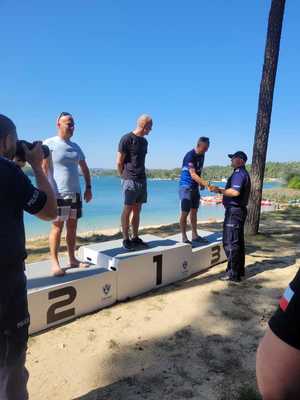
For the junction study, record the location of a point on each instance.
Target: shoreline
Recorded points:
(116, 231)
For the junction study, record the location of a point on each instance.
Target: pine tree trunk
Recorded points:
(264, 113)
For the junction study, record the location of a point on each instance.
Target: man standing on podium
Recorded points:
(189, 183)
(131, 167)
(62, 171)
(235, 200)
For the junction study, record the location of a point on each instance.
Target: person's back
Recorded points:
(14, 198)
(17, 194)
(135, 149)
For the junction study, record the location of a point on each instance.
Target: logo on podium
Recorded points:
(185, 267)
(106, 289)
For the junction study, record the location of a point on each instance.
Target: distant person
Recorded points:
(278, 355)
(235, 200)
(190, 181)
(16, 195)
(62, 170)
(131, 167)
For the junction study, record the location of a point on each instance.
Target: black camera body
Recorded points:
(20, 153)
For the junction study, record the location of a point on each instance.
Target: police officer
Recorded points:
(235, 201)
(17, 194)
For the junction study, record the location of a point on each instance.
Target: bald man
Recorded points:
(131, 167)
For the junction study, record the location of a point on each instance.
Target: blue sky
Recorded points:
(194, 65)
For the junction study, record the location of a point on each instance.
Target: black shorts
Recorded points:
(134, 192)
(285, 323)
(69, 207)
(189, 198)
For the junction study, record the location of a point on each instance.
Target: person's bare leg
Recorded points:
(135, 220)
(193, 220)
(125, 219)
(183, 223)
(54, 243)
(71, 226)
(277, 369)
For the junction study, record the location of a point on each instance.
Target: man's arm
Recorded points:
(120, 162)
(237, 182)
(46, 165)
(277, 368)
(225, 192)
(49, 211)
(87, 178)
(197, 178)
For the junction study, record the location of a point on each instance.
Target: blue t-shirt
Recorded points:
(191, 160)
(65, 156)
(16, 195)
(240, 181)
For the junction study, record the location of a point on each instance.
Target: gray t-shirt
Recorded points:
(65, 156)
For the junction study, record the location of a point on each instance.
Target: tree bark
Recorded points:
(264, 113)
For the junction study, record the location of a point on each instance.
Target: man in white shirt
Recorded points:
(62, 171)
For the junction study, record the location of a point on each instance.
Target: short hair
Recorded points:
(6, 126)
(64, 114)
(144, 118)
(203, 139)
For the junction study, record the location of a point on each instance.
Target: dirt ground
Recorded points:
(195, 339)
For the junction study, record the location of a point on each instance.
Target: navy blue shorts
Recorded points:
(134, 192)
(189, 198)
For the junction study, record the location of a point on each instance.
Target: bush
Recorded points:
(294, 182)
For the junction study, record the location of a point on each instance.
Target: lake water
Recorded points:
(104, 210)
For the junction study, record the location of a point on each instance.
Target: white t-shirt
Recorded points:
(65, 156)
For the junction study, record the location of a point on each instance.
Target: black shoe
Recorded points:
(127, 244)
(187, 241)
(138, 242)
(200, 240)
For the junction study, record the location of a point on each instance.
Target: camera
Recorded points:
(20, 153)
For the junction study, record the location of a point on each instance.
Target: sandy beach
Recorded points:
(195, 339)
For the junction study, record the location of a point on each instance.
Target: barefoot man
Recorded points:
(131, 167)
(189, 194)
(62, 171)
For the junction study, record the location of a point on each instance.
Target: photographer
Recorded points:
(17, 194)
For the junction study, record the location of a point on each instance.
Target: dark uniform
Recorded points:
(16, 194)
(235, 217)
(285, 323)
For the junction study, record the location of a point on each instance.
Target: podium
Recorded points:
(206, 255)
(115, 274)
(54, 300)
(163, 262)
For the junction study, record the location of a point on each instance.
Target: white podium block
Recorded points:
(163, 263)
(207, 255)
(53, 300)
(103, 253)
